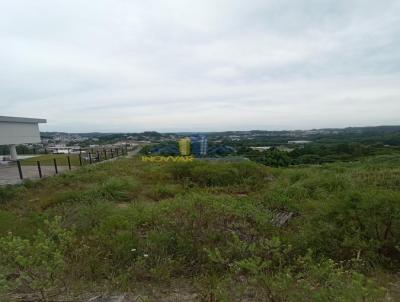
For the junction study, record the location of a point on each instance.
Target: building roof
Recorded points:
(11, 119)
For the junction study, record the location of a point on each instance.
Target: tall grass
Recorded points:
(212, 225)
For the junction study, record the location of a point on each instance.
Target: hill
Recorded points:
(206, 231)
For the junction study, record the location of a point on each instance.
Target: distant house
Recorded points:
(261, 149)
(19, 130)
(64, 150)
(299, 142)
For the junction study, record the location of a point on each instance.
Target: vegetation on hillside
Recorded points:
(316, 153)
(206, 228)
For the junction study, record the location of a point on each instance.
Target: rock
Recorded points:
(102, 298)
(281, 218)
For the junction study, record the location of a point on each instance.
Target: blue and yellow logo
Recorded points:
(184, 146)
(184, 150)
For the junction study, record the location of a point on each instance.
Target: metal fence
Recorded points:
(90, 157)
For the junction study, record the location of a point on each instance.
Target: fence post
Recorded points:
(90, 157)
(20, 170)
(117, 151)
(112, 153)
(55, 165)
(80, 159)
(39, 169)
(105, 154)
(98, 156)
(69, 162)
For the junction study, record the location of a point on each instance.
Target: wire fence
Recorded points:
(50, 165)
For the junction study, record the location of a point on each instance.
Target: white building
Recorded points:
(19, 130)
(261, 149)
(299, 142)
(62, 149)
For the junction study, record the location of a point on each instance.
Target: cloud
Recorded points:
(207, 65)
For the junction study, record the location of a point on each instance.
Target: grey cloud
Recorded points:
(204, 65)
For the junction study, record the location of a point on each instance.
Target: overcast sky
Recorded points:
(126, 65)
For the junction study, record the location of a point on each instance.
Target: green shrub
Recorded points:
(163, 191)
(9, 193)
(36, 265)
(207, 174)
(119, 189)
(358, 225)
(310, 280)
(113, 189)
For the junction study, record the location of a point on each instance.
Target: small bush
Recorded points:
(163, 191)
(310, 280)
(9, 193)
(120, 189)
(34, 265)
(362, 226)
(207, 174)
(114, 189)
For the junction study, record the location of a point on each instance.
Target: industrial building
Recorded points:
(19, 130)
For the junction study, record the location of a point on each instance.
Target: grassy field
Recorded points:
(62, 159)
(47, 160)
(206, 232)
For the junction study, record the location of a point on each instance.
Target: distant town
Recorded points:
(250, 144)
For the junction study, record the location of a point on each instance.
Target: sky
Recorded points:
(210, 65)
